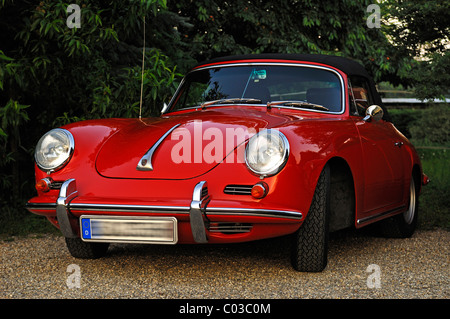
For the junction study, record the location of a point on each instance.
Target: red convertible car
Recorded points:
(250, 147)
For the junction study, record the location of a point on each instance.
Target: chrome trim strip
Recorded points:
(369, 218)
(129, 208)
(145, 163)
(169, 209)
(40, 206)
(186, 210)
(254, 212)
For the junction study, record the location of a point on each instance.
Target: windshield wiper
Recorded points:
(298, 104)
(231, 100)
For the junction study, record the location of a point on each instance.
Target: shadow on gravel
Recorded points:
(263, 253)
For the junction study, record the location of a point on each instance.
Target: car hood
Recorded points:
(184, 145)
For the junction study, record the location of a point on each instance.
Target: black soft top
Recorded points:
(348, 66)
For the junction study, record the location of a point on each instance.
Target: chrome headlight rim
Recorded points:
(70, 143)
(275, 169)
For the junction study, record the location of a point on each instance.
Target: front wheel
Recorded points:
(85, 250)
(310, 246)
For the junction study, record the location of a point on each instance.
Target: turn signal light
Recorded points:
(43, 185)
(259, 190)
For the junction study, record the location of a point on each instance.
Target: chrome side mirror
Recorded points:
(374, 112)
(164, 109)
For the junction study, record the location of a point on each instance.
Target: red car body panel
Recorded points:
(107, 182)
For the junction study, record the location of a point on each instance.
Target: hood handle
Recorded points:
(145, 163)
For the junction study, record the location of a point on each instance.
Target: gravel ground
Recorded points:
(418, 267)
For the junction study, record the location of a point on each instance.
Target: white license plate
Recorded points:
(149, 230)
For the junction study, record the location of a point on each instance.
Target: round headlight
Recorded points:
(267, 152)
(54, 150)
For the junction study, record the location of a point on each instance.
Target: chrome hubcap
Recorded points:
(409, 214)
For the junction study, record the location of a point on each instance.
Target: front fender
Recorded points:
(313, 145)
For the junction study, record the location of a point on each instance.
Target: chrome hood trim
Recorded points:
(145, 163)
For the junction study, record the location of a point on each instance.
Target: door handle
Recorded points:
(398, 144)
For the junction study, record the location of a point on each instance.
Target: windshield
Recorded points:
(305, 87)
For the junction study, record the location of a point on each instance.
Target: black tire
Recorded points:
(403, 225)
(310, 245)
(85, 250)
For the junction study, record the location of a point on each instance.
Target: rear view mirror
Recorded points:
(374, 112)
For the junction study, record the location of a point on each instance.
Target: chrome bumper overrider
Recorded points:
(67, 192)
(197, 211)
(200, 199)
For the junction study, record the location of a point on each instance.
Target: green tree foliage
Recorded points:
(289, 26)
(420, 30)
(64, 69)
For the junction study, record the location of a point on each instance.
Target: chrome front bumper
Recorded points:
(198, 211)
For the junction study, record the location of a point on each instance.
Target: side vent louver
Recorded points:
(238, 189)
(230, 228)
